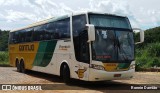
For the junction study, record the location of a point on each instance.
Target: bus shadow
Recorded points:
(101, 85)
(80, 85)
(49, 77)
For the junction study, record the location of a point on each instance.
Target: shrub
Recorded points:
(4, 57)
(154, 49)
(155, 62)
(140, 63)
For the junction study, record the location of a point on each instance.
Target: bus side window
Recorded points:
(65, 28)
(42, 32)
(11, 40)
(62, 29)
(16, 39)
(35, 33)
(39, 33)
(84, 46)
(22, 35)
(29, 33)
(80, 37)
(57, 30)
(50, 29)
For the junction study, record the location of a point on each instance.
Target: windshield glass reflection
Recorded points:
(113, 45)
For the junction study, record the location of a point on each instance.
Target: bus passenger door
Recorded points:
(81, 47)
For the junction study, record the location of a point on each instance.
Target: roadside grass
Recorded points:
(4, 58)
(148, 57)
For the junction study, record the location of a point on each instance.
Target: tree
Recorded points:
(4, 40)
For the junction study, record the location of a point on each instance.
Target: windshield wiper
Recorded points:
(119, 46)
(118, 43)
(125, 58)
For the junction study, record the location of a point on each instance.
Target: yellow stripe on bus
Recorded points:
(26, 51)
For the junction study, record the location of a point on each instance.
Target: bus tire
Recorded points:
(66, 74)
(17, 66)
(22, 67)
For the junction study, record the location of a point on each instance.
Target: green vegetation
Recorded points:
(4, 47)
(148, 53)
(4, 58)
(4, 40)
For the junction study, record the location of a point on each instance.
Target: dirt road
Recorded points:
(9, 75)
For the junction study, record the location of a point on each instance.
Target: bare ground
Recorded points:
(9, 75)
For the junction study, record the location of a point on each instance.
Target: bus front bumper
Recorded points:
(100, 75)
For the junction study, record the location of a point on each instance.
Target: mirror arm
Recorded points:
(89, 41)
(138, 43)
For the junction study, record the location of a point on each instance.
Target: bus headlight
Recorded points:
(132, 66)
(98, 67)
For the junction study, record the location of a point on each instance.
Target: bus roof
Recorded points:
(42, 22)
(59, 18)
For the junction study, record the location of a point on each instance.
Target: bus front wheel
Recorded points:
(66, 74)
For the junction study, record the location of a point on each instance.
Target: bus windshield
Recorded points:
(114, 39)
(109, 21)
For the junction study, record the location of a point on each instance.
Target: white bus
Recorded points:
(86, 46)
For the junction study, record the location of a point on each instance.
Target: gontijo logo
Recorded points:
(26, 47)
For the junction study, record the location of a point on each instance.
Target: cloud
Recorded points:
(24, 12)
(110, 6)
(140, 16)
(147, 17)
(118, 7)
(29, 11)
(14, 16)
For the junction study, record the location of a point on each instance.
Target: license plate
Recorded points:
(117, 75)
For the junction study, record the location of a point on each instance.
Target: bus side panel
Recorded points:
(25, 52)
(60, 55)
(12, 56)
(55, 53)
(45, 57)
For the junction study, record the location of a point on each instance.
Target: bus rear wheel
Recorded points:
(66, 74)
(22, 67)
(17, 66)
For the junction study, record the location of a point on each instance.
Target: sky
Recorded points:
(15, 14)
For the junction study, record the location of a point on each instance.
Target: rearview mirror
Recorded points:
(141, 35)
(91, 32)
